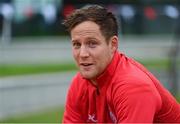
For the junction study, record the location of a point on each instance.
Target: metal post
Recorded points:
(6, 32)
(174, 71)
(7, 12)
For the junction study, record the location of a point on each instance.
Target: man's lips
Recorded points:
(86, 64)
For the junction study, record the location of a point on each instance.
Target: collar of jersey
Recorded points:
(106, 76)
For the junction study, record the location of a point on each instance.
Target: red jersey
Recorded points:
(126, 92)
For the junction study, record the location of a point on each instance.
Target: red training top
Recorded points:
(126, 92)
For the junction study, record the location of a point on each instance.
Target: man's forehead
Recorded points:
(86, 25)
(84, 32)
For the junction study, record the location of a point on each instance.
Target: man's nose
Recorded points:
(84, 51)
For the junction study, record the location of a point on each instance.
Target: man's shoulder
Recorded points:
(133, 84)
(131, 74)
(131, 80)
(130, 71)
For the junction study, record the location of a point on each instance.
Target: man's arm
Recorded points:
(136, 103)
(72, 113)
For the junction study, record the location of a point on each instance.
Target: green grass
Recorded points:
(157, 64)
(22, 69)
(178, 98)
(9, 70)
(47, 116)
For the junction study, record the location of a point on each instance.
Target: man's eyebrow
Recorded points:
(74, 41)
(91, 38)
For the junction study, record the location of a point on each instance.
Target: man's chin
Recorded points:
(87, 76)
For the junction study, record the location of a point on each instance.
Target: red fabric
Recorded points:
(126, 92)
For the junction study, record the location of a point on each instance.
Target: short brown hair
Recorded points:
(98, 14)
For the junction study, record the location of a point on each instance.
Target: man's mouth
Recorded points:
(86, 64)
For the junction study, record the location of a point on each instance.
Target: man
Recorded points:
(110, 87)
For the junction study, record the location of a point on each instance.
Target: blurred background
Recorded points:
(36, 65)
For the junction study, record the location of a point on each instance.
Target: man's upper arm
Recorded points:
(72, 113)
(136, 103)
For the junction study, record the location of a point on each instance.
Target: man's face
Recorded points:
(90, 50)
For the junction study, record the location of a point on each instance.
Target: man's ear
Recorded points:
(114, 43)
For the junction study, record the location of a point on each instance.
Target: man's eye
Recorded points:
(76, 45)
(92, 44)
